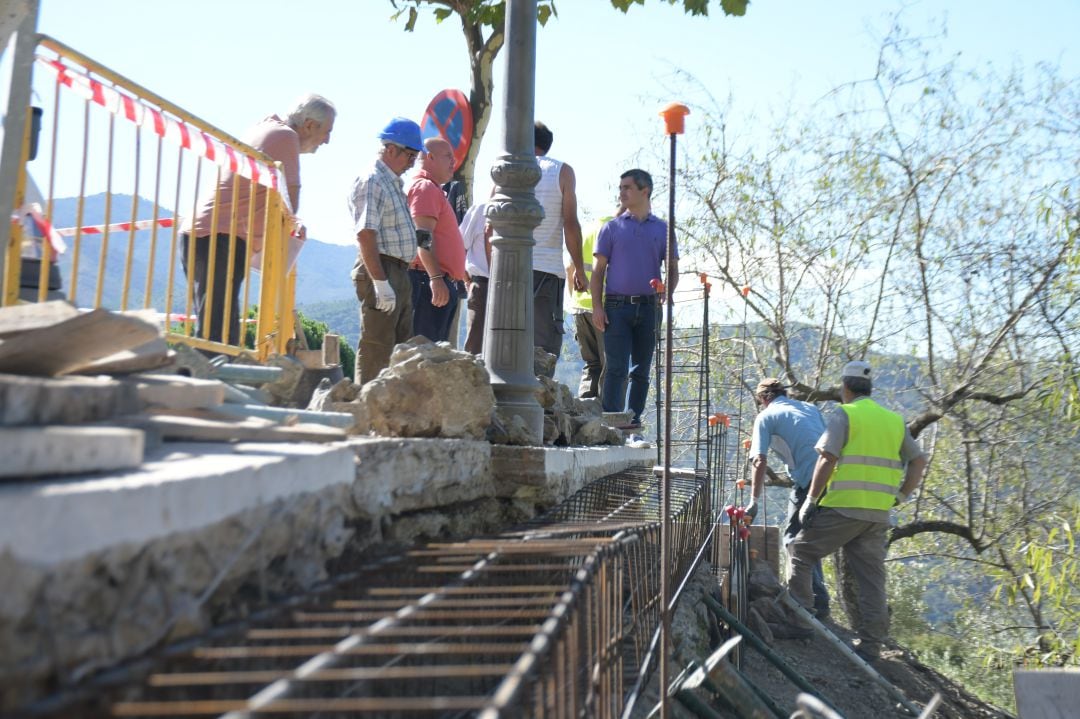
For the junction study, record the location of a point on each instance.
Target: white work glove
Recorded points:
(901, 498)
(385, 299)
(807, 512)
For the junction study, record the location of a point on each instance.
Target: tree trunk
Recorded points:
(482, 54)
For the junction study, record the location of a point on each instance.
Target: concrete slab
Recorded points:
(27, 401)
(179, 487)
(49, 451)
(546, 475)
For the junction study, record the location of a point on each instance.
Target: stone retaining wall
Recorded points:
(198, 549)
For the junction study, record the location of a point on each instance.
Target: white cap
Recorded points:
(857, 368)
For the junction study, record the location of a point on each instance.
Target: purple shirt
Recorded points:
(634, 249)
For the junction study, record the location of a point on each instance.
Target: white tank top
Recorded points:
(547, 255)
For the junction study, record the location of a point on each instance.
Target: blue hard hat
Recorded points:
(403, 131)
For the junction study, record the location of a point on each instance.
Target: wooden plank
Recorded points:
(48, 451)
(1047, 693)
(35, 315)
(176, 391)
(155, 354)
(764, 541)
(73, 343)
(63, 400)
(196, 429)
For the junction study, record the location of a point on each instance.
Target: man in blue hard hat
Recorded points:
(388, 241)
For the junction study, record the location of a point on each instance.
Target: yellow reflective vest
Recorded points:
(869, 471)
(583, 300)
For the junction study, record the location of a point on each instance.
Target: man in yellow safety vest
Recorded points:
(868, 464)
(590, 340)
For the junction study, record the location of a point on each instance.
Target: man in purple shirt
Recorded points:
(629, 252)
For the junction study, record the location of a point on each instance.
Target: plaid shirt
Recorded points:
(378, 203)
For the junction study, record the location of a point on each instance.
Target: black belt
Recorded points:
(631, 299)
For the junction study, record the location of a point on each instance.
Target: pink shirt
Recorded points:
(281, 143)
(426, 199)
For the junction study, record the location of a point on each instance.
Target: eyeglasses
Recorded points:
(411, 154)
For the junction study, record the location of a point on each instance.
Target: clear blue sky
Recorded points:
(601, 76)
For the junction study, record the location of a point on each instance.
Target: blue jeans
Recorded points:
(791, 528)
(629, 342)
(428, 320)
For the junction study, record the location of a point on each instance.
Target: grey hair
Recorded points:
(310, 107)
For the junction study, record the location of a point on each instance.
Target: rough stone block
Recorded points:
(404, 475)
(429, 390)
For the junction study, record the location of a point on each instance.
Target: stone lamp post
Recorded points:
(514, 213)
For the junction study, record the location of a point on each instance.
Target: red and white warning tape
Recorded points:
(115, 227)
(180, 133)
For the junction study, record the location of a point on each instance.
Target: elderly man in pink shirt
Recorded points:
(435, 296)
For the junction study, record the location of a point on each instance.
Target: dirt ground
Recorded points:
(841, 682)
(853, 692)
(698, 632)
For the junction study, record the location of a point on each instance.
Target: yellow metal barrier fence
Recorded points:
(92, 162)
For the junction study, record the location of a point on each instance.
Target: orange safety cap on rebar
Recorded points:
(746, 444)
(674, 115)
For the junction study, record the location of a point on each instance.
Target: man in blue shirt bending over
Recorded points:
(791, 429)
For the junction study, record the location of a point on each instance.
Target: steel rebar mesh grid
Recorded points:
(550, 620)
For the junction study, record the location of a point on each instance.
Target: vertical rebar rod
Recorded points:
(665, 480)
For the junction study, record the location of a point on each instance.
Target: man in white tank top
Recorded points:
(557, 193)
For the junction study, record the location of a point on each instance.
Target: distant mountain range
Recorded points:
(323, 276)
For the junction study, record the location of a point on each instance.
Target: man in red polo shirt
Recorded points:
(435, 296)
